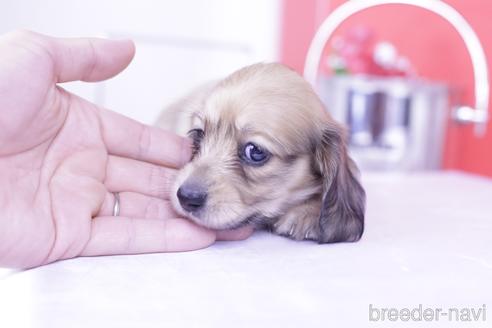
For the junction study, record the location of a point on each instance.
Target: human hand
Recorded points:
(62, 158)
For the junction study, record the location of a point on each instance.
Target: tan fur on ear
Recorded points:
(343, 202)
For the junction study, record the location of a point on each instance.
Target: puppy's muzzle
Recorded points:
(192, 196)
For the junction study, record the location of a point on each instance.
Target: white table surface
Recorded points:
(428, 241)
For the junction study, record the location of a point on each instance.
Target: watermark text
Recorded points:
(422, 313)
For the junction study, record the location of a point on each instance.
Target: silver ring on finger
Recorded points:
(116, 207)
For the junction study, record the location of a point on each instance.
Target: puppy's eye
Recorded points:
(254, 154)
(197, 136)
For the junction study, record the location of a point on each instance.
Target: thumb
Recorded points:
(86, 59)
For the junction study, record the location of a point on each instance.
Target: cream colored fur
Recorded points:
(272, 106)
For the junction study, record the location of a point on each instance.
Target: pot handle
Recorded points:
(463, 114)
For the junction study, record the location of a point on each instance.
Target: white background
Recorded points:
(180, 44)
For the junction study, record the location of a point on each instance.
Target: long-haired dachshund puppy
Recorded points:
(267, 153)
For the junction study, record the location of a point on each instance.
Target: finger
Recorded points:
(236, 234)
(123, 235)
(138, 206)
(88, 59)
(128, 138)
(124, 174)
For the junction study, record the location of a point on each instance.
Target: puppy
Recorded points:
(267, 153)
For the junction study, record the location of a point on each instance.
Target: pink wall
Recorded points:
(430, 43)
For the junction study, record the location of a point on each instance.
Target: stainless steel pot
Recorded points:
(397, 123)
(394, 123)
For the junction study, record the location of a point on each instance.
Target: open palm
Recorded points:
(62, 158)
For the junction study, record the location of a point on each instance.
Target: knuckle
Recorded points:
(160, 181)
(144, 141)
(154, 209)
(92, 63)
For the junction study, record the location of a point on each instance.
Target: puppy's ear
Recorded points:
(343, 201)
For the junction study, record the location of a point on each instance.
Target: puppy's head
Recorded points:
(266, 152)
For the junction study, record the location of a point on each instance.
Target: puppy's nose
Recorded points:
(192, 197)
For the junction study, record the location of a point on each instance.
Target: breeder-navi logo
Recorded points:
(428, 314)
